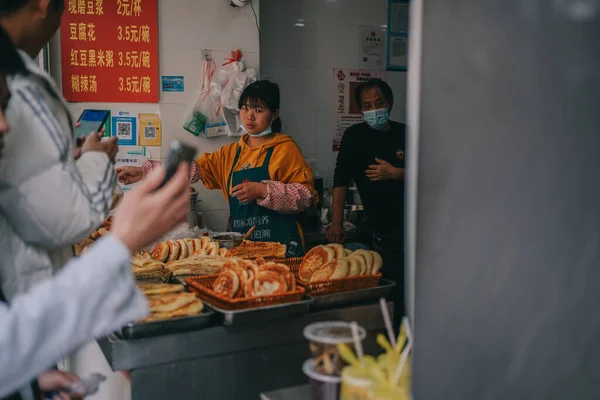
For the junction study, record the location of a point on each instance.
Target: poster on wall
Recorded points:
(372, 46)
(109, 51)
(125, 129)
(399, 51)
(347, 111)
(150, 130)
(397, 40)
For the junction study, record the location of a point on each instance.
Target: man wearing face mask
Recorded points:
(372, 155)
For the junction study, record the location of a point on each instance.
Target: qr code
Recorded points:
(124, 129)
(150, 132)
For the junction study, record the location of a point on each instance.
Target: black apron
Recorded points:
(271, 226)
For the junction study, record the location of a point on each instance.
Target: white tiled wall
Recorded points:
(186, 28)
(302, 41)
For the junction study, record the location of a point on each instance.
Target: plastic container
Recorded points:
(323, 340)
(324, 387)
(353, 387)
(397, 393)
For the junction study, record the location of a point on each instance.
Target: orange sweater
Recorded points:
(287, 163)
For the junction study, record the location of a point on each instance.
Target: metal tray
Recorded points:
(137, 330)
(354, 296)
(262, 314)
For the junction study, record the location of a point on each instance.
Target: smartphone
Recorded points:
(91, 121)
(179, 153)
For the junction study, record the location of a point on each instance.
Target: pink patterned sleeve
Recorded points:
(286, 198)
(149, 165)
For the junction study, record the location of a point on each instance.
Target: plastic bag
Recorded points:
(218, 100)
(205, 109)
(233, 79)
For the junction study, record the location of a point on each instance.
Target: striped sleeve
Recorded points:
(49, 199)
(149, 165)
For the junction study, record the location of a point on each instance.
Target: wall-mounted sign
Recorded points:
(150, 130)
(372, 46)
(125, 129)
(397, 40)
(109, 51)
(172, 83)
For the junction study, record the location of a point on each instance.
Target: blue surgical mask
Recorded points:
(377, 119)
(266, 132)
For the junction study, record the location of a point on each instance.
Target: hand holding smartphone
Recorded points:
(180, 152)
(90, 121)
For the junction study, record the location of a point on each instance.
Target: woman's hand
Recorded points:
(57, 381)
(129, 175)
(249, 191)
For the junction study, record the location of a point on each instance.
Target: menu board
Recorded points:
(109, 51)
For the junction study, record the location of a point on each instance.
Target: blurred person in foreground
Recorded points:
(49, 200)
(91, 296)
(372, 155)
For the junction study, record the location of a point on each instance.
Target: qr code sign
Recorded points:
(150, 132)
(124, 130)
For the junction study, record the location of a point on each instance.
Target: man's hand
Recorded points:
(383, 171)
(94, 143)
(146, 214)
(57, 381)
(129, 175)
(249, 191)
(336, 233)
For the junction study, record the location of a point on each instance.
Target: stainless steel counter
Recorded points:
(228, 363)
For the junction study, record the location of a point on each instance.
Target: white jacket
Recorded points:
(50, 201)
(90, 297)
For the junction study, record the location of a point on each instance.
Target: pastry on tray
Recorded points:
(242, 278)
(266, 283)
(250, 250)
(198, 265)
(162, 275)
(193, 308)
(150, 289)
(227, 284)
(333, 261)
(174, 250)
(335, 269)
(313, 260)
(170, 302)
(284, 270)
(160, 252)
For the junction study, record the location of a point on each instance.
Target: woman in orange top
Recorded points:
(264, 176)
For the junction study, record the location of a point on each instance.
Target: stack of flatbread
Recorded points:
(173, 250)
(242, 278)
(170, 301)
(198, 265)
(81, 247)
(145, 268)
(252, 250)
(324, 263)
